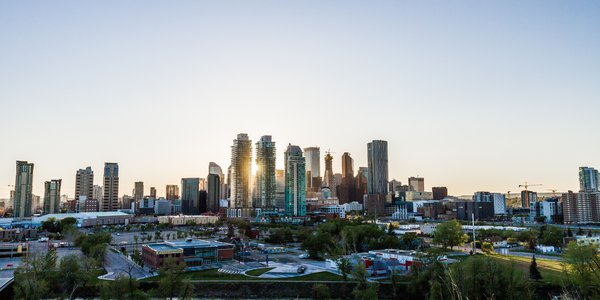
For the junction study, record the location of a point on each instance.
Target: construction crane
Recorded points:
(526, 186)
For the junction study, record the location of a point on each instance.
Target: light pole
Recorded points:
(474, 242)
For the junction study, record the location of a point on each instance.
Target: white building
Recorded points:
(183, 220)
(499, 204)
(334, 209)
(352, 206)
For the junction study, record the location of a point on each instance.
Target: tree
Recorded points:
(583, 266)
(230, 230)
(487, 247)
(534, 273)
(317, 244)
(551, 236)
(449, 234)
(171, 279)
(391, 229)
(320, 291)
(36, 276)
(580, 231)
(364, 290)
(569, 232)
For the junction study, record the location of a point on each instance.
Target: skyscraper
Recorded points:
(52, 196)
(313, 168)
(362, 181)
(347, 189)
(152, 192)
(190, 196)
(295, 185)
(84, 183)
(172, 192)
(588, 180)
(23, 190)
(377, 156)
(416, 184)
(97, 193)
(328, 178)
(214, 192)
(138, 191)
(111, 187)
(214, 168)
(527, 197)
(241, 168)
(265, 177)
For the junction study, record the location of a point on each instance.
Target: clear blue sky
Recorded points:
(473, 95)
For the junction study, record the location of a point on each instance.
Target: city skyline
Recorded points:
(471, 96)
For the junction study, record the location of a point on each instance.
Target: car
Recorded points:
(124, 243)
(43, 239)
(301, 269)
(118, 234)
(304, 256)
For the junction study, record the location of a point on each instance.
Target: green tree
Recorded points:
(534, 272)
(551, 236)
(317, 244)
(321, 291)
(364, 290)
(583, 265)
(230, 230)
(449, 234)
(487, 247)
(171, 279)
(36, 276)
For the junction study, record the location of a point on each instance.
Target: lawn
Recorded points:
(258, 272)
(551, 270)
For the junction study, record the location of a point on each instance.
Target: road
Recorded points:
(117, 264)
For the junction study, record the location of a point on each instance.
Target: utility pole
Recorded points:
(474, 242)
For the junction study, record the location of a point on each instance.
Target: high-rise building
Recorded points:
(439, 192)
(313, 168)
(569, 201)
(328, 178)
(280, 188)
(23, 190)
(347, 189)
(152, 192)
(84, 183)
(213, 192)
(138, 191)
(241, 172)
(347, 166)
(362, 181)
(295, 185)
(213, 168)
(190, 198)
(52, 196)
(377, 156)
(110, 202)
(265, 176)
(588, 180)
(202, 201)
(172, 192)
(97, 193)
(202, 184)
(527, 197)
(416, 184)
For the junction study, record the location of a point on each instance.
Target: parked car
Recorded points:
(301, 269)
(304, 256)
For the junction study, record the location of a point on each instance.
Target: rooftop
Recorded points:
(161, 247)
(195, 244)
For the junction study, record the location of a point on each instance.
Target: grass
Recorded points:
(552, 271)
(258, 272)
(215, 275)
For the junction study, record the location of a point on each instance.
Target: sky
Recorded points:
(472, 95)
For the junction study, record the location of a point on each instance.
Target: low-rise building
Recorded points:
(183, 219)
(195, 254)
